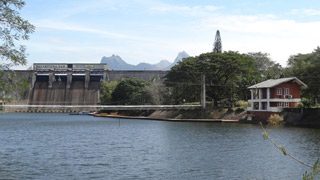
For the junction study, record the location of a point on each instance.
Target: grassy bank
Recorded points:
(198, 114)
(222, 113)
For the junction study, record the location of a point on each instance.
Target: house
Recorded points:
(271, 96)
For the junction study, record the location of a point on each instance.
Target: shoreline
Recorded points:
(168, 119)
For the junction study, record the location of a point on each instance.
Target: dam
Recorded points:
(73, 84)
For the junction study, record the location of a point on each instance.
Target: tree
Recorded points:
(223, 73)
(183, 82)
(306, 68)
(106, 91)
(217, 45)
(13, 28)
(131, 92)
(158, 91)
(267, 68)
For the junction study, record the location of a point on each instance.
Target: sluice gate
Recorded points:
(69, 85)
(72, 88)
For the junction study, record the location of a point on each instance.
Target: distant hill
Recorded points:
(115, 62)
(180, 56)
(146, 66)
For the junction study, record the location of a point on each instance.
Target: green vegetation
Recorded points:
(129, 91)
(243, 104)
(13, 29)
(275, 119)
(226, 74)
(106, 91)
(306, 68)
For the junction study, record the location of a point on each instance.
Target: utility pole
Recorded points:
(217, 45)
(203, 91)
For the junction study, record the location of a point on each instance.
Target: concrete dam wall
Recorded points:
(74, 87)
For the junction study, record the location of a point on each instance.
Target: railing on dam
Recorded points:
(68, 108)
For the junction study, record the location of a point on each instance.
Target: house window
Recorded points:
(286, 91)
(286, 104)
(279, 91)
(279, 104)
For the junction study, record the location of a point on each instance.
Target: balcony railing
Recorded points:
(270, 109)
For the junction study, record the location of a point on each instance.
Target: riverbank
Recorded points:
(213, 115)
(165, 119)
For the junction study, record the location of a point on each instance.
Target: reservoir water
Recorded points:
(60, 146)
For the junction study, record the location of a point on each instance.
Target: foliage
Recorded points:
(158, 91)
(224, 73)
(131, 92)
(299, 105)
(13, 28)
(106, 91)
(306, 68)
(314, 173)
(267, 68)
(275, 119)
(217, 45)
(23, 87)
(243, 104)
(307, 103)
(183, 82)
(11, 82)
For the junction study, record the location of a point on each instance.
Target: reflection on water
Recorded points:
(59, 146)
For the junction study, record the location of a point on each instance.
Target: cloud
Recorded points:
(184, 10)
(268, 33)
(55, 39)
(51, 25)
(307, 12)
(88, 7)
(169, 29)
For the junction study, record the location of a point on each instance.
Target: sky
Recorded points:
(83, 31)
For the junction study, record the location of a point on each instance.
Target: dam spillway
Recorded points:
(71, 84)
(70, 88)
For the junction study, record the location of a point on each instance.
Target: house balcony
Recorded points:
(269, 109)
(275, 100)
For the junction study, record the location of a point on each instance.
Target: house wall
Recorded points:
(273, 104)
(294, 90)
(262, 115)
(264, 93)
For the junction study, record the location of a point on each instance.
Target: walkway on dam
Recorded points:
(108, 107)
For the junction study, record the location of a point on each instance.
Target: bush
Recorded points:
(275, 119)
(299, 105)
(307, 103)
(243, 104)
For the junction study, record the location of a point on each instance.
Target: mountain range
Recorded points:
(115, 62)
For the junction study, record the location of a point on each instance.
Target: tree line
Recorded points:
(228, 75)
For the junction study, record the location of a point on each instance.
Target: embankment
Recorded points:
(304, 117)
(230, 114)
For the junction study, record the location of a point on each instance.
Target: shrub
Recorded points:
(306, 102)
(243, 104)
(299, 105)
(275, 119)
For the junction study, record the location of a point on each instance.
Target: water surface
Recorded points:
(60, 146)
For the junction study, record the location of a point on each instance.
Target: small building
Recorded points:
(69, 66)
(271, 96)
